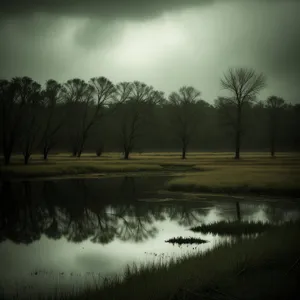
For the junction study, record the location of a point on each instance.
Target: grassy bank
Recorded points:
(255, 173)
(263, 268)
(269, 180)
(71, 168)
(236, 228)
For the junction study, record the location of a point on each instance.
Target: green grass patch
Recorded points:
(185, 240)
(236, 228)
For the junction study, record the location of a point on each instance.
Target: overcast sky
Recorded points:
(165, 43)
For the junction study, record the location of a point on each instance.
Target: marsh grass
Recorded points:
(255, 173)
(236, 228)
(274, 181)
(71, 168)
(185, 240)
(261, 268)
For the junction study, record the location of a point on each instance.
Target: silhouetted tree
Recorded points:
(52, 97)
(275, 106)
(244, 85)
(29, 92)
(136, 111)
(135, 117)
(79, 97)
(13, 101)
(184, 114)
(104, 91)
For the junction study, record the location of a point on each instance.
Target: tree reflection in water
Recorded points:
(78, 211)
(99, 210)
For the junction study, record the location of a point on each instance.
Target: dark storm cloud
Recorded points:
(93, 32)
(36, 38)
(99, 8)
(106, 8)
(274, 42)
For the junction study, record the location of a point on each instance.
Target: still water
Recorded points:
(61, 235)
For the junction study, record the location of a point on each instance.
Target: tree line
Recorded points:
(97, 115)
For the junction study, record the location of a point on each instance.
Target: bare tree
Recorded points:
(78, 96)
(29, 93)
(109, 98)
(17, 97)
(244, 85)
(10, 115)
(184, 114)
(134, 113)
(52, 97)
(275, 106)
(102, 90)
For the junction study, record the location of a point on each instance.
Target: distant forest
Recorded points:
(98, 116)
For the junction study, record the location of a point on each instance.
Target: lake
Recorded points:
(62, 235)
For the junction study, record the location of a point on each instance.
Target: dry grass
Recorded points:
(254, 173)
(268, 180)
(252, 267)
(71, 168)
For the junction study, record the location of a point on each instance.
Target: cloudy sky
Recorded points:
(165, 43)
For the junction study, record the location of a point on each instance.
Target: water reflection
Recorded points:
(61, 230)
(81, 214)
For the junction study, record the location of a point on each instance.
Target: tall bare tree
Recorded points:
(275, 106)
(100, 94)
(10, 116)
(78, 96)
(29, 93)
(244, 85)
(184, 114)
(52, 97)
(18, 102)
(109, 97)
(134, 113)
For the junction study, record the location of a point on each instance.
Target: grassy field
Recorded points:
(266, 267)
(254, 173)
(271, 180)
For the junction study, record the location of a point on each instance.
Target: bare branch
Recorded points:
(244, 84)
(104, 89)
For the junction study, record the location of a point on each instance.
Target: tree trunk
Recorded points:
(45, 152)
(272, 147)
(183, 154)
(7, 153)
(79, 152)
(81, 146)
(7, 156)
(126, 154)
(238, 134)
(74, 151)
(237, 144)
(99, 151)
(272, 138)
(26, 158)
